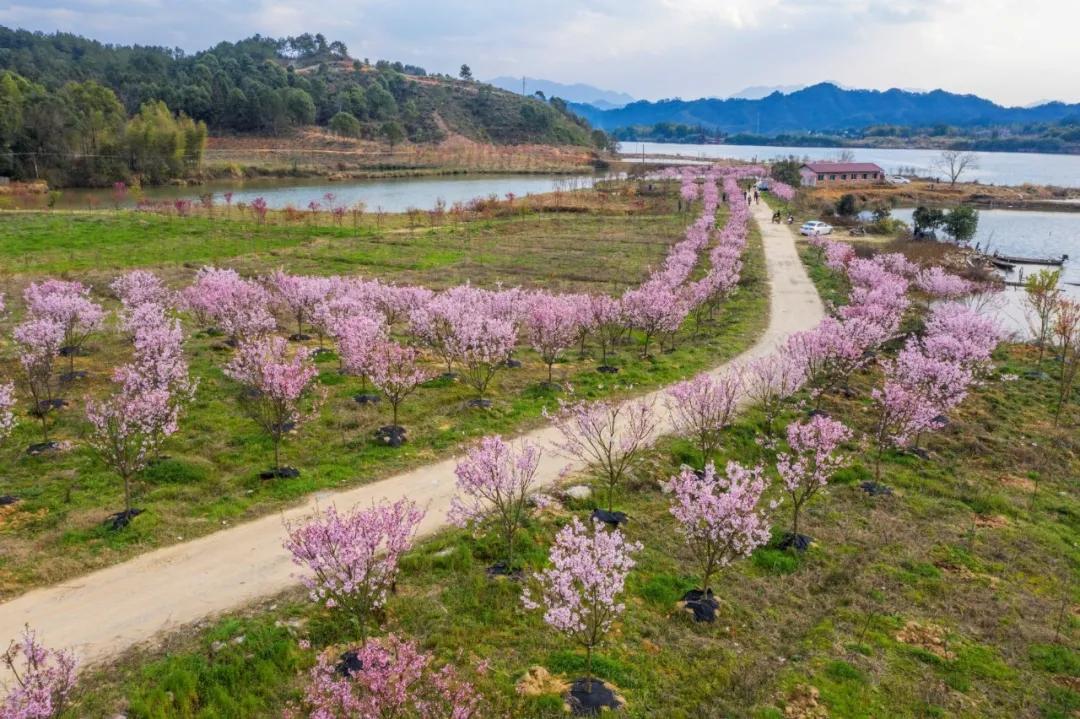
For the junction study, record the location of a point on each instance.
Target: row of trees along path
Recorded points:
(101, 614)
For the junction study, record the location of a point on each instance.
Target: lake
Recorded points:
(389, 195)
(1031, 234)
(997, 168)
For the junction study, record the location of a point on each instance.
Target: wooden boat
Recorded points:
(1002, 265)
(1010, 259)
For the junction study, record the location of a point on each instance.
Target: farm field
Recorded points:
(953, 596)
(209, 478)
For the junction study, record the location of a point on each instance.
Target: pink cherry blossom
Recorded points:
(274, 384)
(702, 407)
(811, 461)
(581, 591)
(393, 369)
(720, 515)
(393, 678)
(351, 560)
(609, 434)
(494, 481)
(43, 679)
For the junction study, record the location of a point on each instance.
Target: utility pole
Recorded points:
(522, 85)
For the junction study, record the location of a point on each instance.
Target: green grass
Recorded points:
(829, 618)
(210, 478)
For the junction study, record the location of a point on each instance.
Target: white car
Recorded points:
(897, 180)
(813, 228)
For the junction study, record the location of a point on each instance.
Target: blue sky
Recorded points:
(1012, 51)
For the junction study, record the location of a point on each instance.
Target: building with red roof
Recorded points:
(840, 173)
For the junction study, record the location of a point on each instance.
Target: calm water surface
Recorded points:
(998, 168)
(390, 195)
(1028, 234)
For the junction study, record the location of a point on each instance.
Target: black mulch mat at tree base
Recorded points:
(512, 363)
(68, 377)
(1037, 375)
(607, 369)
(817, 413)
(918, 452)
(120, 520)
(499, 569)
(478, 403)
(589, 698)
(702, 604)
(46, 405)
(365, 398)
(41, 448)
(6, 499)
(392, 435)
(941, 421)
(320, 351)
(612, 519)
(799, 542)
(876, 489)
(299, 337)
(280, 473)
(348, 664)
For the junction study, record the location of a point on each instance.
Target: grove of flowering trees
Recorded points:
(392, 336)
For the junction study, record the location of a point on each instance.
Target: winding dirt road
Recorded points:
(100, 615)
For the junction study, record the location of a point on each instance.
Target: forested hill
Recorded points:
(268, 86)
(827, 108)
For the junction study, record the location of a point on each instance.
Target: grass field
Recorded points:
(210, 478)
(957, 596)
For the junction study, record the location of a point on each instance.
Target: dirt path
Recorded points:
(104, 613)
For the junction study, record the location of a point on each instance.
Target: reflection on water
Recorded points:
(997, 168)
(389, 195)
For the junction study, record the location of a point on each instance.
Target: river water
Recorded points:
(389, 195)
(997, 168)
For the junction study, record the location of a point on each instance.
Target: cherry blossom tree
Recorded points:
(580, 592)
(299, 295)
(771, 380)
(239, 307)
(720, 515)
(386, 678)
(358, 338)
(7, 403)
(552, 323)
(139, 287)
(482, 345)
(702, 407)
(395, 372)
(811, 461)
(273, 386)
(68, 304)
(43, 679)
(352, 559)
(494, 480)
(652, 308)
(901, 413)
(39, 341)
(124, 431)
(158, 365)
(610, 434)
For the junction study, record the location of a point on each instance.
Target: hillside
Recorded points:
(79, 112)
(827, 108)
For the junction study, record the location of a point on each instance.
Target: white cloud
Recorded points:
(1012, 51)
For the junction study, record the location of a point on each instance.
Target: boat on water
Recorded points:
(1003, 265)
(1014, 260)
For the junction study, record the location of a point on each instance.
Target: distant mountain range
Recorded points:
(576, 93)
(825, 107)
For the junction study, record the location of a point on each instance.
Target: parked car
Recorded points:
(813, 228)
(763, 185)
(897, 180)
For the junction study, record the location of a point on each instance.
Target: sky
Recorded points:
(1014, 52)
